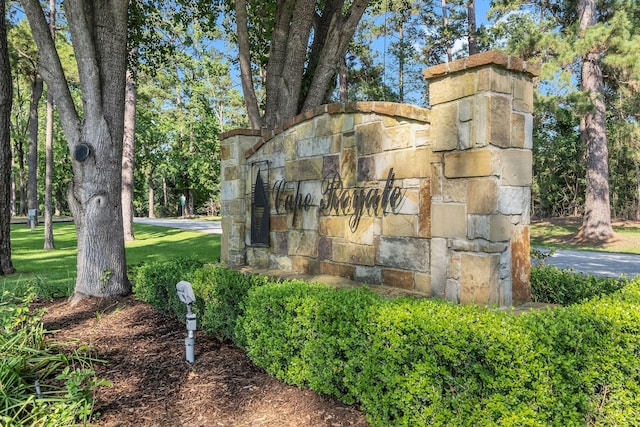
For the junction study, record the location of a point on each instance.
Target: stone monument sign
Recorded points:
(429, 200)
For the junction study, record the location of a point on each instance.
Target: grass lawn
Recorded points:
(55, 271)
(557, 234)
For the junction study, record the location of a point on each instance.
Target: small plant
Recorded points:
(42, 384)
(541, 255)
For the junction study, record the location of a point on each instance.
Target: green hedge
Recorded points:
(155, 283)
(224, 292)
(417, 362)
(552, 285)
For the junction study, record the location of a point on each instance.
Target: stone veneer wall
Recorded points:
(463, 168)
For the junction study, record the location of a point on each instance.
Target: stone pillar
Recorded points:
(481, 137)
(235, 208)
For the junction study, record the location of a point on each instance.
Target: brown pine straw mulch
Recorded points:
(153, 385)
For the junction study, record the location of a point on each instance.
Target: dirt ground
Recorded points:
(153, 385)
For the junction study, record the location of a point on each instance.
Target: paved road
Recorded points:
(598, 263)
(210, 227)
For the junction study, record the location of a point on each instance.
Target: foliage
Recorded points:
(314, 333)
(411, 362)
(155, 283)
(223, 292)
(42, 383)
(552, 285)
(418, 362)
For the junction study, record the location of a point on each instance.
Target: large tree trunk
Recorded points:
(6, 98)
(596, 224)
(36, 94)
(99, 35)
(297, 78)
(48, 178)
(128, 157)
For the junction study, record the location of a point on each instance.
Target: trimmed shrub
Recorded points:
(434, 363)
(411, 362)
(591, 353)
(223, 292)
(155, 283)
(308, 334)
(549, 284)
(418, 362)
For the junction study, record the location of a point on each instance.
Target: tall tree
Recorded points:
(6, 98)
(576, 41)
(99, 36)
(128, 155)
(307, 40)
(37, 87)
(596, 224)
(49, 242)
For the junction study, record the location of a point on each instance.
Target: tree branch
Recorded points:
(250, 98)
(51, 70)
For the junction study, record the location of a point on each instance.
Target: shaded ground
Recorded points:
(154, 386)
(562, 232)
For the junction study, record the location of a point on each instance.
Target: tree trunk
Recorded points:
(12, 192)
(472, 36)
(128, 157)
(48, 180)
(342, 80)
(99, 35)
(6, 98)
(340, 32)
(445, 23)
(151, 197)
(596, 224)
(36, 94)
(23, 179)
(248, 91)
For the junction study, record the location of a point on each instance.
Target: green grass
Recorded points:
(54, 272)
(557, 236)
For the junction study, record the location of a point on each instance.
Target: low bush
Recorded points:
(223, 292)
(314, 333)
(41, 383)
(411, 362)
(418, 362)
(549, 284)
(155, 283)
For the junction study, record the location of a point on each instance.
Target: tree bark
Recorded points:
(152, 208)
(596, 224)
(339, 34)
(99, 35)
(23, 178)
(342, 81)
(128, 157)
(248, 91)
(471, 19)
(6, 99)
(287, 56)
(37, 88)
(49, 242)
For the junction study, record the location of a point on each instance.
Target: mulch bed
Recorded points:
(153, 385)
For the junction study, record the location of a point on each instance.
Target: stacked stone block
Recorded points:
(482, 177)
